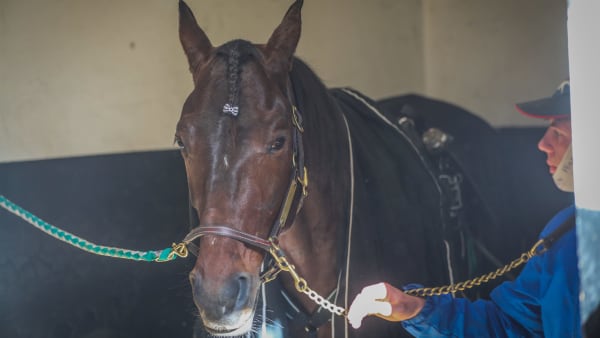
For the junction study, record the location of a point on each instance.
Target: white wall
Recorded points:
(486, 55)
(82, 77)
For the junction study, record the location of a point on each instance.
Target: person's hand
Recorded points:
(383, 301)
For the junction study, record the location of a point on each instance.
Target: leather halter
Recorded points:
(299, 176)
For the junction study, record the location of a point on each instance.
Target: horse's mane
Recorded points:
(326, 145)
(324, 125)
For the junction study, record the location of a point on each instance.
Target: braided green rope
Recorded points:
(168, 254)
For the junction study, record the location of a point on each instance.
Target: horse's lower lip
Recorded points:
(221, 332)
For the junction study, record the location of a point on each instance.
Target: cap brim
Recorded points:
(547, 108)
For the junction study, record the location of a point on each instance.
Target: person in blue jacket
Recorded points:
(543, 301)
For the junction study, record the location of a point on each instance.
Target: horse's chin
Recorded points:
(241, 326)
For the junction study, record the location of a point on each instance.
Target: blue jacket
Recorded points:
(542, 302)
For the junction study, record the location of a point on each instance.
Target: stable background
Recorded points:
(90, 93)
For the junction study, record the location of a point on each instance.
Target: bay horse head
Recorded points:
(240, 136)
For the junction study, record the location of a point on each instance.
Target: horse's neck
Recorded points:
(315, 239)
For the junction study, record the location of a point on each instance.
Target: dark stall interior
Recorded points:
(139, 201)
(50, 289)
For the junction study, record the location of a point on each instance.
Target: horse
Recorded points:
(300, 195)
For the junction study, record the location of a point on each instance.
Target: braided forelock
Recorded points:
(235, 53)
(233, 75)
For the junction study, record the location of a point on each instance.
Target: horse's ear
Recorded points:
(196, 44)
(282, 43)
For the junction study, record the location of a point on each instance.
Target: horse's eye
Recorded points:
(277, 144)
(179, 142)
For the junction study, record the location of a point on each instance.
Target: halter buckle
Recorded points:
(303, 180)
(296, 119)
(270, 274)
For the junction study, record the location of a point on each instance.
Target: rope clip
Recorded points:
(179, 249)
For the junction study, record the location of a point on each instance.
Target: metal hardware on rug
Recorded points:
(165, 255)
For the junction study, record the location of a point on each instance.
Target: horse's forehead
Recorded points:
(259, 96)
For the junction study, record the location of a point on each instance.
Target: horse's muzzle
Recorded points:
(225, 308)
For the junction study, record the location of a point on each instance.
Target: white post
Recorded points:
(584, 56)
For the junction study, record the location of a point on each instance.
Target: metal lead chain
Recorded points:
(537, 249)
(300, 283)
(324, 303)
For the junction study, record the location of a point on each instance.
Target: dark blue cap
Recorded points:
(557, 106)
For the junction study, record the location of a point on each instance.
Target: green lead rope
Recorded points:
(168, 254)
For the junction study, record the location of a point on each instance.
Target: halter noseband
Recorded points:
(299, 176)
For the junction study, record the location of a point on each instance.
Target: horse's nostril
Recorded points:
(243, 281)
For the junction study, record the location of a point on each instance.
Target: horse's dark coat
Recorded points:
(476, 154)
(399, 221)
(398, 225)
(396, 229)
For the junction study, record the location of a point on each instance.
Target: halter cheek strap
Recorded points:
(299, 176)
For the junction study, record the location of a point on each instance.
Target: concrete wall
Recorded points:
(87, 77)
(486, 55)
